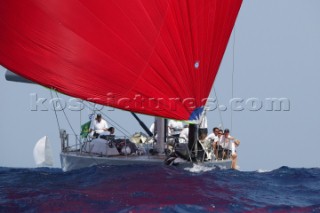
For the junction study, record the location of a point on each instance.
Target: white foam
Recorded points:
(199, 168)
(263, 170)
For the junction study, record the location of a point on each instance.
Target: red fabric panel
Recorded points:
(136, 55)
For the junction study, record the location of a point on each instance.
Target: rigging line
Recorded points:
(111, 121)
(220, 114)
(74, 132)
(77, 138)
(232, 78)
(55, 112)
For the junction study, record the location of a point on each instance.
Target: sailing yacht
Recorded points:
(154, 57)
(42, 153)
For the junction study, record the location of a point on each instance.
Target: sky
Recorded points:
(274, 52)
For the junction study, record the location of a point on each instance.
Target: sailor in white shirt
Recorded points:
(214, 135)
(175, 127)
(213, 139)
(227, 145)
(184, 135)
(98, 126)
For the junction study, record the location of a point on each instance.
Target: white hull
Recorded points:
(75, 160)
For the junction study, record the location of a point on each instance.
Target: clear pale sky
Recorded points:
(277, 55)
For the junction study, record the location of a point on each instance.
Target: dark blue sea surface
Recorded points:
(158, 189)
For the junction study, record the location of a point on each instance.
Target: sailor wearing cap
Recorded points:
(227, 145)
(98, 126)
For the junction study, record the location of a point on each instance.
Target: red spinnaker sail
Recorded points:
(156, 57)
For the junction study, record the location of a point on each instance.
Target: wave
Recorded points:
(159, 189)
(263, 170)
(199, 168)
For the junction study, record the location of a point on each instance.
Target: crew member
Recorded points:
(98, 126)
(227, 147)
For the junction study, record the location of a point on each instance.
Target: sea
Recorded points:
(159, 189)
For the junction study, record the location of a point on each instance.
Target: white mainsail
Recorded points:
(42, 153)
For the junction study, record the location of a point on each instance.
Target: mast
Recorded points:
(196, 150)
(160, 124)
(193, 140)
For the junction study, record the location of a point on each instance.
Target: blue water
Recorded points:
(158, 189)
